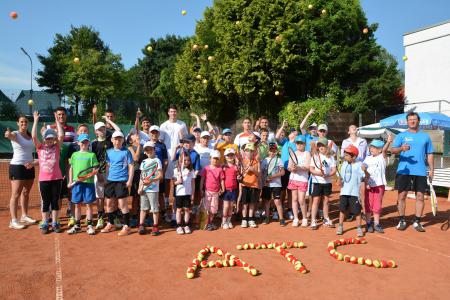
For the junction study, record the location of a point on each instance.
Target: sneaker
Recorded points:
(28, 220)
(56, 227)
(142, 230)
(313, 225)
(275, 216)
(244, 224)
(225, 225)
(252, 224)
(75, 229)
(90, 230)
(369, 227)
(290, 215)
(350, 218)
(378, 228)
(295, 223)
(43, 227)
(14, 224)
(109, 228)
(282, 223)
(181, 231)
(117, 223)
(100, 223)
(71, 222)
(210, 227)
(340, 230)
(125, 231)
(401, 225)
(133, 223)
(155, 231)
(230, 225)
(328, 223)
(304, 222)
(266, 221)
(359, 231)
(418, 227)
(187, 230)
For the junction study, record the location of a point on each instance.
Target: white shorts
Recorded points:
(100, 182)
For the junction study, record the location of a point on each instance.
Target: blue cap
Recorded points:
(377, 144)
(83, 137)
(226, 130)
(49, 133)
(292, 129)
(300, 138)
(188, 138)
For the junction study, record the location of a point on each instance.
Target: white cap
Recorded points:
(205, 133)
(313, 125)
(323, 127)
(154, 128)
(215, 154)
(149, 144)
(229, 151)
(117, 133)
(98, 125)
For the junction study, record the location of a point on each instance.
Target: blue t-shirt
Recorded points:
(161, 151)
(118, 161)
(195, 159)
(413, 161)
(285, 152)
(351, 175)
(309, 139)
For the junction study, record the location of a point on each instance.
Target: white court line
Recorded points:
(58, 275)
(413, 246)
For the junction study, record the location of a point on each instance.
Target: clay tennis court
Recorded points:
(59, 266)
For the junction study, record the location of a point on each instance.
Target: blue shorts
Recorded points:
(230, 195)
(83, 193)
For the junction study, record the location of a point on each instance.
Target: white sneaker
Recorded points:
(252, 224)
(187, 230)
(180, 230)
(90, 230)
(244, 224)
(275, 216)
(74, 229)
(230, 225)
(313, 225)
(295, 223)
(290, 215)
(14, 224)
(304, 222)
(328, 223)
(225, 225)
(27, 219)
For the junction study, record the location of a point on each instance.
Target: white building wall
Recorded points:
(427, 69)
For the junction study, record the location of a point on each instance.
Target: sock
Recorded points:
(417, 219)
(111, 217)
(402, 218)
(78, 223)
(126, 219)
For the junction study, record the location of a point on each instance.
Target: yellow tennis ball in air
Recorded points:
(405, 58)
(149, 49)
(76, 60)
(277, 93)
(30, 102)
(183, 12)
(310, 6)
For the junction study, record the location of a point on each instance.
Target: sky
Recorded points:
(126, 26)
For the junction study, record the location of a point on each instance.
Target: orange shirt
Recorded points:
(251, 179)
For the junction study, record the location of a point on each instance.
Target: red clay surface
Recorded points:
(146, 267)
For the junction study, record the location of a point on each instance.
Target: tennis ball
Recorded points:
(205, 81)
(278, 39)
(13, 15)
(324, 11)
(353, 260)
(239, 247)
(270, 246)
(245, 246)
(392, 264)
(218, 264)
(149, 49)
(210, 58)
(219, 252)
(347, 258)
(405, 58)
(195, 47)
(310, 6)
(361, 260)
(263, 246)
(384, 264)
(340, 256)
(204, 264)
(206, 47)
(303, 270)
(76, 60)
(332, 251)
(30, 102)
(238, 22)
(254, 272)
(251, 246)
(365, 30)
(189, 275)
(277, 93)
(225, 263)
(211, 264)
(376, 264)
(368, 262)
(183, 12)
(231, 263)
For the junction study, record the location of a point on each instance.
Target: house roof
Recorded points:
(3, 97)
(43, 101)
(427, 27)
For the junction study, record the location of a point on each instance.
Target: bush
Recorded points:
(294, 112)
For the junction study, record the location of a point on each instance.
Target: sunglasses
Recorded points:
(322, 130)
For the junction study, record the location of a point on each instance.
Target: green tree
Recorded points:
(8, 111)
(267, 53)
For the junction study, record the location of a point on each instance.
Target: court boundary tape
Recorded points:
(414, 246)
(58, 271)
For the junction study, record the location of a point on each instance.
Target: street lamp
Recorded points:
(30, 101)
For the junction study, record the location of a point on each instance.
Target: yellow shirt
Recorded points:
(222, 146)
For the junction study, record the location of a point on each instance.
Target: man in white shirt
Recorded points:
(242, 138)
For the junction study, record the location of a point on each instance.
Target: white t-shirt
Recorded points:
(170, 136)
(185, 188)
(154, 186)
(376, 167)
(205, 155)
(22, 150)
(241, 139)
(275, 182)
(304, 159)
(327, 164)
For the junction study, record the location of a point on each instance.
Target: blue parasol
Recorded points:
(428, 121)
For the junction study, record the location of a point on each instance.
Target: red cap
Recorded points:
(352, 150)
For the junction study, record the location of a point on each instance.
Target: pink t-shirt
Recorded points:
(231, 174)
(49, 163)
(213, 177)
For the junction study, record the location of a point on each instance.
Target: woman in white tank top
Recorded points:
(21, 172)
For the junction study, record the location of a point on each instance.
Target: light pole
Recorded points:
(30, 101)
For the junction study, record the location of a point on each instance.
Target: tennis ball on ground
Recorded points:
(183, 12)
(332, 251)
(263, 246)
(211, 264)
(218, 264)
(254, 272)
(219, 252)
(392, 264)
(205, 81)
(76, 60)
(238, 22)
(353, 260)
(340, 256)
(13, 15)
(270, 246)
(251, 246)
(376, 263)
(278, 38)
(361, 260)
(245, 246)
(347, 258)
(189, 275)
(239, 247)
(384, 264)
(204, 264)
(368, 262)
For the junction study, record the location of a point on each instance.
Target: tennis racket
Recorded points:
(87, 173)
(292, 156)
(149, 173)
(181, 159)
(318, 166)
(433, 199)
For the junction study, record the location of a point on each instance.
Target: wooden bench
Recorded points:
(442, 178)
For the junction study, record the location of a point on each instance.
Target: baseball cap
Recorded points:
(300, 138)
(154, 128)
(83, 137)
(229, 151)
(196, 129)
(204, 134)
(323, 141)
(273, 146)
(117, 133)
(323, 127)
(49, 133)
(249, 146)
(99, 125)
(292, 129)
(188, 138)
(149, 144)
(352, 150)
(226, 130)
(215, 154)
(377, 144)
(313, 125)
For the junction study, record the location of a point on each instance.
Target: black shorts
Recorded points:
(64, 190)
(269, 193)
(249, 195)
(406, 183)
(285, 179)
(321, 189)
(50, 191)
(116, 189)
(352, 201)
(162, 185)
(19, 172)
(183, 201)
(135, 183)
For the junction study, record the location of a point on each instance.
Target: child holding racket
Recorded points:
(250, 185)
(231, 187)
(351, 174)
(322, 168)
(50, 177)
(184, 182)
(151, 174)
(299, 163)
(212, 185)
(120, 177)
(83, 168)
(273, 166)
